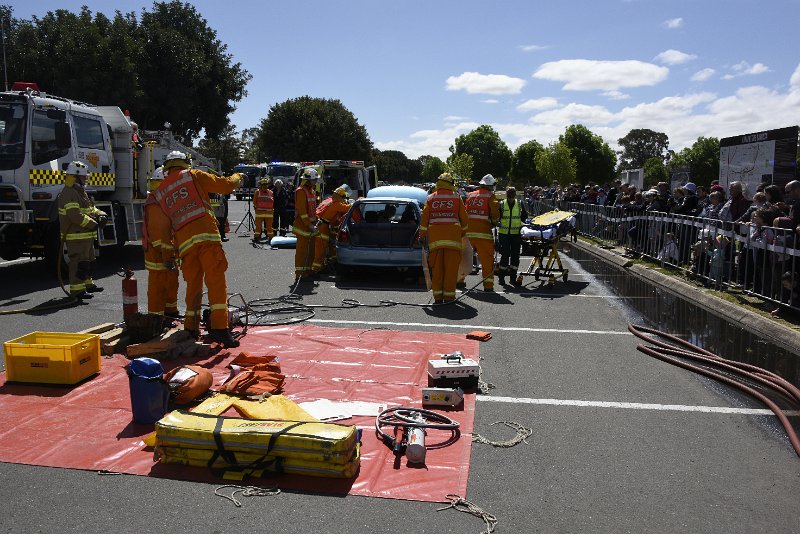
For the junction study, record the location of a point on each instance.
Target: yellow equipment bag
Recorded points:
(256, 465)
(328, 443)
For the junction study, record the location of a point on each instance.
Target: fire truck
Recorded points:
(39, 135)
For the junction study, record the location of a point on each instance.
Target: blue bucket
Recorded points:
(149, 392)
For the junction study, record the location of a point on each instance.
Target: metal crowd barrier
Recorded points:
(717, 254)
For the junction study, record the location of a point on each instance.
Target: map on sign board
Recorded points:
(747, 163)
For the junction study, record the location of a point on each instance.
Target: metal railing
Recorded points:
(761, 261)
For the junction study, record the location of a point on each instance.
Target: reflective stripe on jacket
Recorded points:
(510, 222)
(263, 200)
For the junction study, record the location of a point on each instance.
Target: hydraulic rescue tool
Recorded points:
(442, 396)
(413, 422)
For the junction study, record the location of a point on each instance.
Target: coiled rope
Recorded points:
(245, 491)
(523, 433)
(463, 505)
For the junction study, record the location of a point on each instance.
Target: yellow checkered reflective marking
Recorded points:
(51, 177)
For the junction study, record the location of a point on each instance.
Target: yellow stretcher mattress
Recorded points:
(329, 443)
(245, 463)
(551, 217)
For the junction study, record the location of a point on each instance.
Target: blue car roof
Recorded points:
(397, 192)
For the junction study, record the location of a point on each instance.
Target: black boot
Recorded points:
(223, 337)
(83, 295)
(94, 289)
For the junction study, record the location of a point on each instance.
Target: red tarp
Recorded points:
(89, 426)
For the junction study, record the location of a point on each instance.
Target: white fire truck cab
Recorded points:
(40, 134)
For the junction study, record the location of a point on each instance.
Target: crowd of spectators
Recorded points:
(730, 239)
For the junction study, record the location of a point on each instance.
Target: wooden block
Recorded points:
(99, 329)
(114, 346)
(114, 333)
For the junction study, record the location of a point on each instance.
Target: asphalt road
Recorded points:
(562, 364)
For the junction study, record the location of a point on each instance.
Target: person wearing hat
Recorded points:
(264, 206)
(690, 203)
(444, 224)
(512, 214)
(483, 212)
(159, 254)
(184, 198)
(329, 214)
(79, 219)
(280, 221)
(304, 226)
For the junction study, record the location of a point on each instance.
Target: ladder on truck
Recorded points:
(134, 217)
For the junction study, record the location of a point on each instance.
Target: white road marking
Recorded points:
(634, 405)
(478, 327)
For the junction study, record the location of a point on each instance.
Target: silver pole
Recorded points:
(5, 67)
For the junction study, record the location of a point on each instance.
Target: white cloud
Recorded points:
(673, 23)
(588, 75)
(746, 69)
(490, 101)
(532, 48)
(454, 118)
(674, 57)
(702, 75)
(535, 104)
(616, 95)
(683, 117)
(491, 84)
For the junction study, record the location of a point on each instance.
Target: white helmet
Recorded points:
(177, 159)
(77, 168)
(158, 174)
(310, 174)
(487, 180)
(278, 182)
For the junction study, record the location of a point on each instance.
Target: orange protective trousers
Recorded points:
(322, 245)
(162, 291)
(205, 259)
(263, 224)
(485, 250)
(444, 264)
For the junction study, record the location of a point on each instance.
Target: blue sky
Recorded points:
(418, 73)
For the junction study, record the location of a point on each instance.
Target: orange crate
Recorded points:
(52, 357)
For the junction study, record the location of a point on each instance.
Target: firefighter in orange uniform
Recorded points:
(483, 210)
(159, 255)
(329, 214)
(263, 204)
(304, 226)
(444, 223)
(183, 196)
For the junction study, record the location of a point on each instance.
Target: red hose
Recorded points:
(755, 374)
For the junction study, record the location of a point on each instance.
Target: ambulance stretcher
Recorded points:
(543, 234)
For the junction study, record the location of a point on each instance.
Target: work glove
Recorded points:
(102, 220)
(171, 265)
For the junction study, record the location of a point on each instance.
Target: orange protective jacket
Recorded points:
(305, 210)
(483, 211)
(444, 219)
(157, 241)
(202, 229)
(330, 213)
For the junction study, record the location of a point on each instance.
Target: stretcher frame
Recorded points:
(545, 256)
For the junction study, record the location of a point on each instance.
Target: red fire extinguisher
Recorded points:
(130, 301)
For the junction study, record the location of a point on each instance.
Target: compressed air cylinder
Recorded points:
(415, 450)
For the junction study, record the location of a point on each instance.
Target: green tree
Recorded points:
(250, 150)
(226, 148)
(641, 144)
(394, 166)
(460, 166)
(523, 164)
(595, 160)
(490, 153)
(170, 67)
(432, 167)
(310, 129)
(188, 77)
(704, 160)
(655, 171)
(556, 164)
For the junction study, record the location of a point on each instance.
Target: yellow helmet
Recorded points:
(342, 192)
(177, 159)
(264, 181)
(445, 177)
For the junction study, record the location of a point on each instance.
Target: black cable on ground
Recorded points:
(739, 375)
(405, 418)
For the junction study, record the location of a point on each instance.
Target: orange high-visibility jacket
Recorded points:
(483, 210)
(202, 228)
(305, 210)
(444, 219)
(157, 241)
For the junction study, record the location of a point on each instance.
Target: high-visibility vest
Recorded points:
(478, 204)
(263, 200)
(181, 201)
(510, 222)
(444, 207)
(311, 203)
